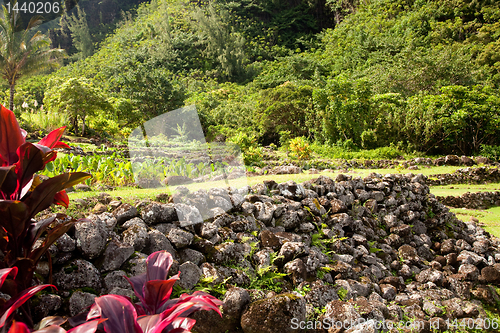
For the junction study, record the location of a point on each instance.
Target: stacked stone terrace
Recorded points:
(380, 248)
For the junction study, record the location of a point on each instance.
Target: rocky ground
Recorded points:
(287, 256)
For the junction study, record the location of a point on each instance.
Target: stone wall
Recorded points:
(477, 175)
(479, 200)
(380, 248)
(412, 164)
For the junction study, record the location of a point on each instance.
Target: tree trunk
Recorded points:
(83, 126)
(74, 124)
(11, 100)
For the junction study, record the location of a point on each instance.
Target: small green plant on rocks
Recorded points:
(342, 293)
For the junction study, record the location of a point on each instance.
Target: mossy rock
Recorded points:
(274, 314)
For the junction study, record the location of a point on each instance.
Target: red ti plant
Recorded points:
(52, 325)
(7, 308)
(155, 313)
(23, 195)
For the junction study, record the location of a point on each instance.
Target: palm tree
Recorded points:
(23, 53)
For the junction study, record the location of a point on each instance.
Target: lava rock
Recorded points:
(274, 314)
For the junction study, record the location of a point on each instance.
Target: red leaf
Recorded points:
(153, 296)
(30, 162)
(138, 283)
(48, 154)
(4, 273)
(14, 217)
(36, 229)
(51, 321)
(19, 300)
(148, 323)
(61, 145)
(157, 292)
(120, 314)
(88, 327)
(199, 301)
(154, 324)
(157, 265)
(43, 195)
(9, 184)
(51, 329)
(170, 315)
(52, 139)
(177, 330)
(11, 136)
(5, 172)
(184, 323)
(19, 327)
(3, 162)
(61, 199)
(52, 236)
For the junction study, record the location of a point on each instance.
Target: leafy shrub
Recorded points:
(285, 137)
(78, 98)
(368, 139)
(492, 152)
(345, 105)
(458, 119)
(284, 108)
(337, 151)
(253, 156)
(347, 145)
(243, 140)
(300, 148)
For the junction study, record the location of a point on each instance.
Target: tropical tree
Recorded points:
(80, 34)
(23, 52)
(78, 98)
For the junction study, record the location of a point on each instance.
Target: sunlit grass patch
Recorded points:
(459, 189)
(490, 218)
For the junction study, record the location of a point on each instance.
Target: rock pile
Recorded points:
(467, 175)
(479, 200)
(292, 255)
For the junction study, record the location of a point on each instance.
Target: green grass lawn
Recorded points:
(124, 192)
(459, 189)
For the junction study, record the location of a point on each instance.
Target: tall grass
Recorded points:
(39, 120)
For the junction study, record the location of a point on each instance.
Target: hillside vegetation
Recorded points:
(415, 75)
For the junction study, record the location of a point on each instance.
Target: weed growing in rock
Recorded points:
(342, 293)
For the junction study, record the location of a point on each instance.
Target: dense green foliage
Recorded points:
(421, 75)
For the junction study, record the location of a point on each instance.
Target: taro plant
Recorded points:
(23, 195)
